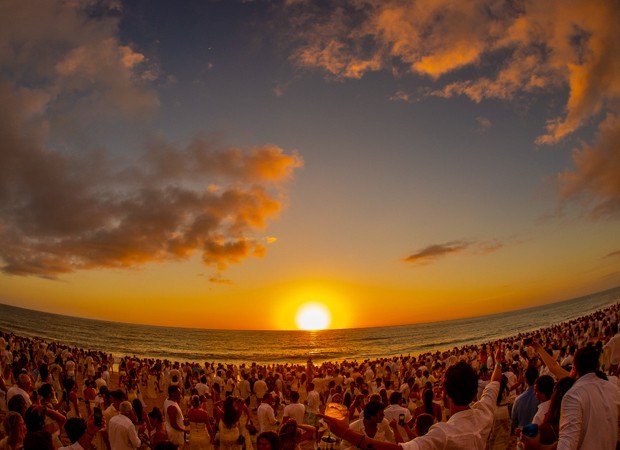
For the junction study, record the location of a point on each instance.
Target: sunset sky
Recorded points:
(219, 164)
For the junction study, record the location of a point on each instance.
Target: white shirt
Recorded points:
(394, 412)
(74, 446)
(313, 401)
(614, 346)
(266, 417)
(16, 390)
(589, 415)
(295, 411)
(122, 433)
(541, 412)
(465, 430)
(384, 432)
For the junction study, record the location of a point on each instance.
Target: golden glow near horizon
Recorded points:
(185, 193)
(313, 316)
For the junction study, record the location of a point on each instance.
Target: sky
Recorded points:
(219, 164)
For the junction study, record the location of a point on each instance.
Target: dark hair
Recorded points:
(138, 408)
(271, 437)
(45, 390)
(38, 440)
(17, 404)
(422, 423)
(75, 428)
(461, 383)
(555, 403)
(155, 414)
(544, 384)
(165, 445)
(372, 408)
(231, 414)
(395, 397)
(503, 384)
(531, 373)
(428, 396)
(294, 396)
(586, 360)
(34, 418)
(173, 388)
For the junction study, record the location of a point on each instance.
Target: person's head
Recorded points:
(310, 387)
(156, 416)
(268, 440)
(46, 391)
(17, 404)
(395, 398)
(118, 396)
(126, 409)
(195, 401)
(174, 393)
(288, 435)
(34, 418)
(75, 428)
(460, 384)
(14, 427)
(543, 388)
(373, 411)
(24, 381)
(294, 396)
(586, 360)
(39, 440)
(422, 423)
(531, 373)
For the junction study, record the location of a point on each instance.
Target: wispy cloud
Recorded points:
(432, 253)
(66, 206)
(613, 254)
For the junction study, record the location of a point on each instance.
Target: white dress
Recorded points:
(199, 438)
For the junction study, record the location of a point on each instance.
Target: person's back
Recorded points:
(590, 409)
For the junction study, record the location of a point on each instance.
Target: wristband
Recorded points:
(498, 364)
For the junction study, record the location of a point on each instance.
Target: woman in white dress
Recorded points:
(200, 430)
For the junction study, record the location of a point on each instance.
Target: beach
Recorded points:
(148, 379)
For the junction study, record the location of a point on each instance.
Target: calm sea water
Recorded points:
(186, 344)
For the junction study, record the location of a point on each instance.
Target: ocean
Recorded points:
(268, 347)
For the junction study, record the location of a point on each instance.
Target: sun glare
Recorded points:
(313, 316)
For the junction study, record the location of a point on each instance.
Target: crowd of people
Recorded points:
(556, 387)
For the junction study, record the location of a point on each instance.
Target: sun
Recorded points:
(313, 316)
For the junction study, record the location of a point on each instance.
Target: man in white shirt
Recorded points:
(373, 423)
(266, 416)
(468, 427)
(121, 430)
(23, 388)
(397, 412)
(313, 401)
(590, 409)
(294, 410)
(543, 388)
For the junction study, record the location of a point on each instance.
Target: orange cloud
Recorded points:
(68, 211)
(515, 48)
(595, 179)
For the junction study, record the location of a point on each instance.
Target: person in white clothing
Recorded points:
(294, 410)
(590, 409)
(468, 427)
(121, 430)
(23, 388)
(173, 416)
(373, 424)
(313, 401)
(543, 389)
(266, 417)
(614, 346)
(401, 415)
